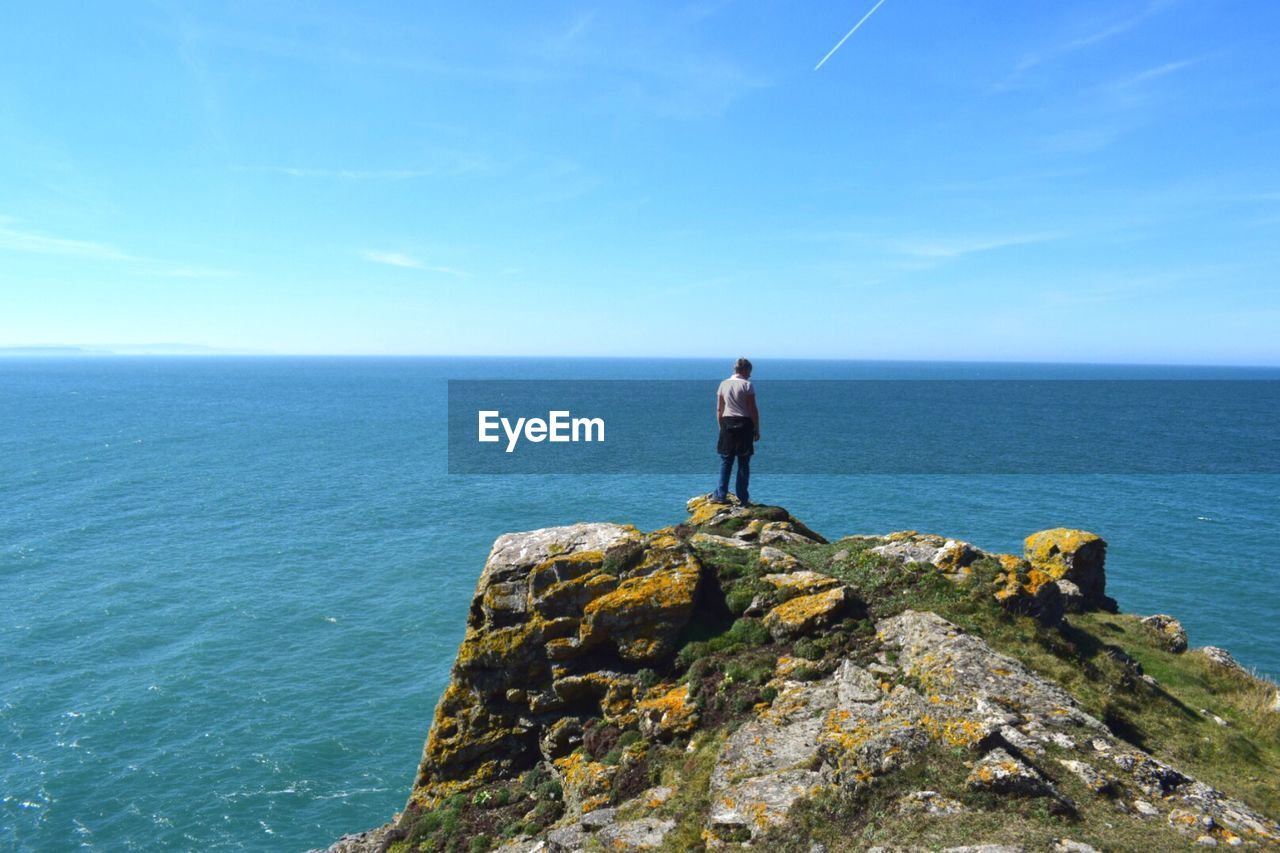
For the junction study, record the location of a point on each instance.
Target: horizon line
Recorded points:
(197, 351)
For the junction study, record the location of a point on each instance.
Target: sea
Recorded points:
(231, 588)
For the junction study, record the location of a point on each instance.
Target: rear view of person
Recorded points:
(739, 422)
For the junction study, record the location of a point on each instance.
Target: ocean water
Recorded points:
(231, 589)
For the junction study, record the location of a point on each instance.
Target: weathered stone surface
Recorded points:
(667, 711)
(1217, 721)
(1072, 597)
(655, 797)
(806, 613)
(1074, 555)
(561, 737)
(770, 761)
(713, 540)
(766, 524)
(586, 783)
(800, 582)
(1066, 845)
(704, 512)
(1153, 776)
(930, 803)
(1001, 773)
(862, 741)
(643, 616)
(646, 833)
(514, 554)
(777, 560)
(756, 804)
(1225, 818)
(786, 532)
(974, 683)
(598, 819)
(908, 546)
(1220, 657)
(1169, 630)
(372, 841)
(1097, 781)
(482, 727)
(567, 839)
(1145, 809)
(1022, 588)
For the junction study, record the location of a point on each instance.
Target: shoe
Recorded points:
(712, 499)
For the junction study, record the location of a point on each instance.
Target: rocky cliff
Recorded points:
(739, 681)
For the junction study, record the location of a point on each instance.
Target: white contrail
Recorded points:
(846, 35)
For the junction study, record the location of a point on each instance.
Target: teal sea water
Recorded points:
(231, 589)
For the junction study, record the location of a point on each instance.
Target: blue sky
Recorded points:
(1071, 181)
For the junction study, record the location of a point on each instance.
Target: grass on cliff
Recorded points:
(477, 821)
(879, 815)
(1099, 658)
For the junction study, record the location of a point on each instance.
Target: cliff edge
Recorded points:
(737, 681)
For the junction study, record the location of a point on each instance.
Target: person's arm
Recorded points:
(755, 412)
(719, 407)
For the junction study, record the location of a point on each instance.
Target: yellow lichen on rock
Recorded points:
(802, 582)
(586, 782)
(960, 732)
(496, 647)
(663, 540)
(1025, 589)
(1057, 544)
(1077, 556)
(806, 613)
(644, 614)
(668, 711)
(702, 511)
(569, 597)
(1012, 562)
(788, 666)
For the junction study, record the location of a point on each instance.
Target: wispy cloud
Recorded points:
(14, 239)
(947, 248)
(1140, 77)
(655, 61)
(409, 262)
(1105, 113)
(343, 174)
(651, 58)
(926, 251)
(443, 163)
(393, 259)
(1072, 45)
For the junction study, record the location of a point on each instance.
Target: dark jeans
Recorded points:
(744, 477)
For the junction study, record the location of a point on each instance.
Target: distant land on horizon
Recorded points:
(123, 349)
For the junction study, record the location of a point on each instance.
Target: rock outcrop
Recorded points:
(1075, 556)
(1169, 631)
(704, 685)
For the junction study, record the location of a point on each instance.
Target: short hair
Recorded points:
(742, 365)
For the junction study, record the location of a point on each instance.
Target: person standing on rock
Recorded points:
(739, 422)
